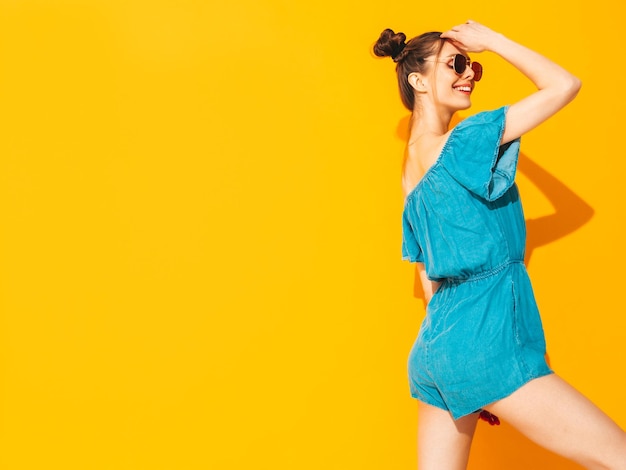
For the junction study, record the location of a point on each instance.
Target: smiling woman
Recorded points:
(481, 347)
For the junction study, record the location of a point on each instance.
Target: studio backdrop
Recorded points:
(200, 229)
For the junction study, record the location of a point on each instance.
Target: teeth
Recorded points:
(463, 88)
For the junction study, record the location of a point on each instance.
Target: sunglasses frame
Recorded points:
(460, 64)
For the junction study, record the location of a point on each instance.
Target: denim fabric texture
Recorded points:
(482, 336)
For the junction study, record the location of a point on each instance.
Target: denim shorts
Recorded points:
(481, 340)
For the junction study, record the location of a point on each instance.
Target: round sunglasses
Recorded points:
(460, 63)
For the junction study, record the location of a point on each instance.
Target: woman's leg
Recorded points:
(556, 416)
(443, 443)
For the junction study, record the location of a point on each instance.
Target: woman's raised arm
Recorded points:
(555, 86)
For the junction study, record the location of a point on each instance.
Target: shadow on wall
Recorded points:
(503, 446)
(570, 211)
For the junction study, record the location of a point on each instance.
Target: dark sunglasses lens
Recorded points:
(460, 63)
(478, 71)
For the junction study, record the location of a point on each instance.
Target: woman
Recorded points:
(481, 345)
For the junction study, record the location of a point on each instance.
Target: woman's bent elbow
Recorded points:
(573, 86)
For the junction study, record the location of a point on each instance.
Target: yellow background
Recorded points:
(200, 230)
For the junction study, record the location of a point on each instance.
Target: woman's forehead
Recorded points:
(449, 50)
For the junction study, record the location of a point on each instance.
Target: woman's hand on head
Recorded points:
(470, 36)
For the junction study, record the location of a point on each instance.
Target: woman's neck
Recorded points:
(427, 121)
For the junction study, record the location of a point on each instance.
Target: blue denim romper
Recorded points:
(482, 336)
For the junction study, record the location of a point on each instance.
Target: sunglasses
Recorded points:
(460, 64)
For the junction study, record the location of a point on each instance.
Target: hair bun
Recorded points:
(390, 44)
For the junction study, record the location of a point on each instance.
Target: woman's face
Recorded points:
(449, 88)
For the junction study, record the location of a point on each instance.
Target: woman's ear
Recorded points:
(416, 80)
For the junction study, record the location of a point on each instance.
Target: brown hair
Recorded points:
(409, 57)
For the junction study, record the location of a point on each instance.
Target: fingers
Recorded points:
(470, 36)
(453, 33)
(453, 36)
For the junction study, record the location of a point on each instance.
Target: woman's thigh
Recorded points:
(442, 442)
(556, 416)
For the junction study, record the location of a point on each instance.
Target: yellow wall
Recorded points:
(200, 230)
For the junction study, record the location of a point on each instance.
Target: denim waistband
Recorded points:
(483, 274)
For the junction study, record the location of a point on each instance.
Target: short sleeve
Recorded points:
(411, 250)
(474, 157)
